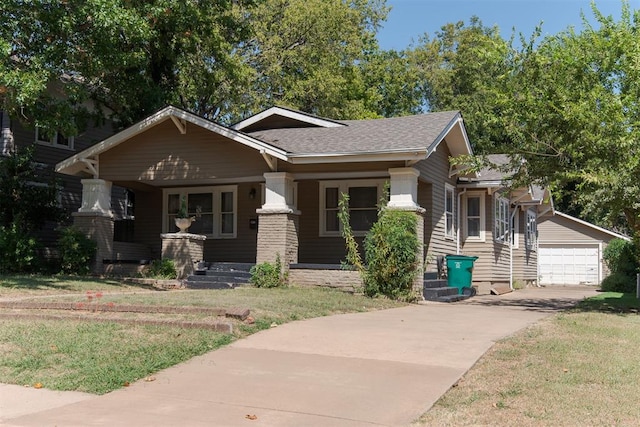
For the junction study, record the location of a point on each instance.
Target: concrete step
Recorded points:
(432, 294)
(452, 298)
(431, 275)
(435, 283)
(228, 278)
(229, 266)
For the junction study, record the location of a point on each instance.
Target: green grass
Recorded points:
(581, 367)
(38, 285)
(100, 357)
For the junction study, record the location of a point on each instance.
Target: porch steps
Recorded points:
(437, 290)
(220, 275)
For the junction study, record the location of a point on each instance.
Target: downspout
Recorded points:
(515, 210)
(458, 221)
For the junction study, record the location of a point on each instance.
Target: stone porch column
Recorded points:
(95, 218)
(278, 221)
(404, 196)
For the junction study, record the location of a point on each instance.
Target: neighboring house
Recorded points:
(499, 225)
(51, 146)
(571, 250)
(270, 185)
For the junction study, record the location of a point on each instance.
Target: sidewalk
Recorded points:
(367, 369)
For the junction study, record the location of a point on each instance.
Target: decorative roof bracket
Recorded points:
(92, 166)
(272, 162)
(181, 124)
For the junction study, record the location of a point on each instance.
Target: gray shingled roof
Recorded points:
(489, 174)
(359, 136)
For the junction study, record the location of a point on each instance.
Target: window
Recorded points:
(449, 208)
(531, 233)
(501, 229)
(215, 209)
(53, 138)
(474, 223)
(363, 210)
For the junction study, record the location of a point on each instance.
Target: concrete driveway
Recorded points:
(368, 369)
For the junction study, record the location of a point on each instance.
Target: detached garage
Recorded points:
(570, 250)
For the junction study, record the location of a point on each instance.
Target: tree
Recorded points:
(128, 58)
(573, 115)
(27, 199)
(463, 68)
(307, 55)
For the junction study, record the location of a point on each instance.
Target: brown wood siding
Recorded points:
(558, 229)
(148, 227)
(148, 223)
(434, 173)
(243, 247)
(313, 248)
(492, 264)
(525, 260)
(163, 156)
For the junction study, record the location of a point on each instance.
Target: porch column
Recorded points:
(95, 218)
(278, 221)
(404, 196)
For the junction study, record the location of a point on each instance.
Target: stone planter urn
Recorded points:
(183, 224)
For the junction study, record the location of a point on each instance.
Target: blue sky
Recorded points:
(410, 19)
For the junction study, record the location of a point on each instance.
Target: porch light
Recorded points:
(252, 193)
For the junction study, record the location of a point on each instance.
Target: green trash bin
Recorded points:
(459, 271)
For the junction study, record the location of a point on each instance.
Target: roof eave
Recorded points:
(413, 155)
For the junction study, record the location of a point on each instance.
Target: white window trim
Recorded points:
(51, 143)
(531, 233)
(515, 230)
(343, 187)
(503, 203)
(450, 189)
(482, 237)
(217, 215)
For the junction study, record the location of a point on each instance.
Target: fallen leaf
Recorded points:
(126, 384)
(565, 370)
(249, 320)
(274, 324)
(149, 379)
(54, 348)
(251, 417)
(37, 385)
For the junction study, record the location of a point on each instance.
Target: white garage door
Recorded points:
(569, 265)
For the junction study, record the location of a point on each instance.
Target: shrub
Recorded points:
(76, 251)
(620, 257)
(268, 275)
(17, 249)
(161, 269)
(391, 249)
(619, 282)
(391, 252)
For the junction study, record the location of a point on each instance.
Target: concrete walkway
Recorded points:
(368, 369)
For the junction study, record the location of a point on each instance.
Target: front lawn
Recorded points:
(581, 367)
(100, 357)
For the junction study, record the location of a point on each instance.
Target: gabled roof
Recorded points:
(417, 135)
(280, 117)
(180, 117)
(590, 225)
(410, 138)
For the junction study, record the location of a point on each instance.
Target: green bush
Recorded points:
(391, 249)
(18, 250)
(619, 282)
(268, 275)
(164, 269)
(619, 255)
(76, 251)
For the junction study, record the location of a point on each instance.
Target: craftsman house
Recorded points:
(270, 184)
